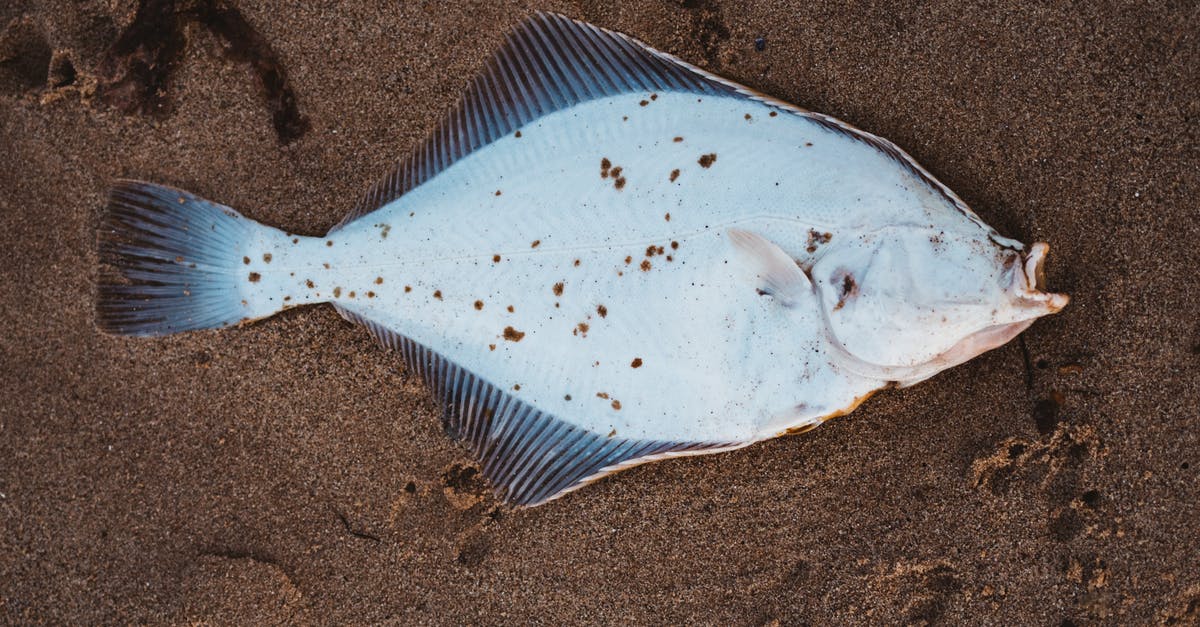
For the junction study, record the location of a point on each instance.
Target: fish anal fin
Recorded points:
(776, 271)
(527, 455)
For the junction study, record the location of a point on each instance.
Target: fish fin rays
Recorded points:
(176, 262)
(548, 63)
(777, 273)
(529, 456)
(551, 62)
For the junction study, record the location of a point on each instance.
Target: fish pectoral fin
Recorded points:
(776, 271)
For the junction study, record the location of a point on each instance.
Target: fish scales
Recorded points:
(610, 267)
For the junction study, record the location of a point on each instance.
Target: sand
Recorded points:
(289, 471)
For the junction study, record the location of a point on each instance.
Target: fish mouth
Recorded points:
(1028, 285)
(1031, 302)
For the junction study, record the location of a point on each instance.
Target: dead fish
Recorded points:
(605, 256)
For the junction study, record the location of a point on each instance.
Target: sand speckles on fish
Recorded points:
(777, 288)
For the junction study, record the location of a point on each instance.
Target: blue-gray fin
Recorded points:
(176, 258)
(551, 62)
(529, 456)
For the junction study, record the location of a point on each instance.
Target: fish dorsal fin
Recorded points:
(529, 456)
(776, 271)
(551, 62)
(548, 63)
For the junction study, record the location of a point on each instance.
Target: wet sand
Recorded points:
(289, 471)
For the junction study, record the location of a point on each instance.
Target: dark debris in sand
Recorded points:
(289, 471)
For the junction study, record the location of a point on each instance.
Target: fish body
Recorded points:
(605, 256)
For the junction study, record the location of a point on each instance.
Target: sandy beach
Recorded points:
(290, 471)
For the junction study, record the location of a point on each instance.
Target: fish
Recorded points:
(605, 256)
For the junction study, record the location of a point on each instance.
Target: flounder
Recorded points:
(605, 256)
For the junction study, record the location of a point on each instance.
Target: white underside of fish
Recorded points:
(716, 360)
(650, 266)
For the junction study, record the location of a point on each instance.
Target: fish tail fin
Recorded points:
(179, 262)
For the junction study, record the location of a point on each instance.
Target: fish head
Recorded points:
(903, 303)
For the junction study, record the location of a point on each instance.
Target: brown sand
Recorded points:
(290, 471)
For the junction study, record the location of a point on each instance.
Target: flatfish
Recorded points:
(605, 256)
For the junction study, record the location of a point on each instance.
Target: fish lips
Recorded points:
(1028, 284)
